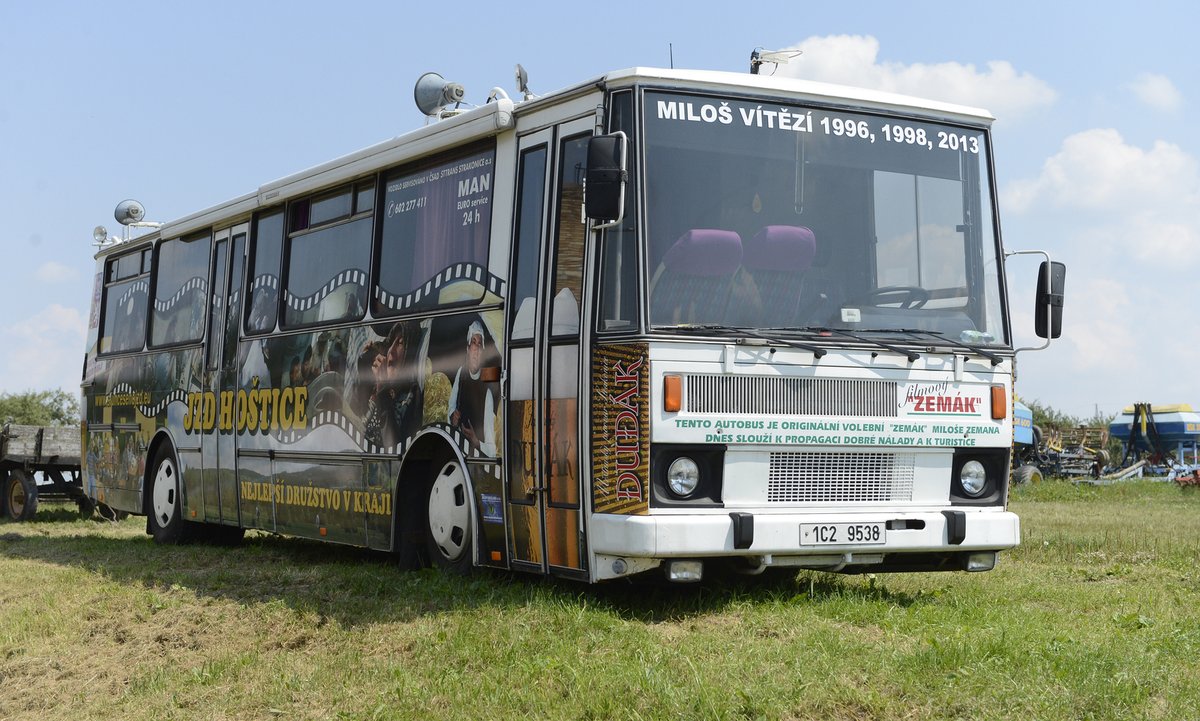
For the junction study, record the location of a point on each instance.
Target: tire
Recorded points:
(20, 495)
(448, 527)
(1027, 474)
(165, 518)
(410, 549)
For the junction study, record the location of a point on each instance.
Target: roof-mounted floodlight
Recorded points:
(433, 92)
(130, 214)
(523, 83)
(777, 57)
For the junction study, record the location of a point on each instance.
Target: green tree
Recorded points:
(39, 408)
(1048, 418)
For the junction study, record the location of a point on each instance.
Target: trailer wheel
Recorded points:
(20, 495)
(449, 519)
(1027, 474)
(166, 522)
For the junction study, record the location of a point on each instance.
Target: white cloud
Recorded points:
(55, 272)
(1157, 91)
(1143, 204)
(854, 60)
(44, 350)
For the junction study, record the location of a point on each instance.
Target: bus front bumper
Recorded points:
(953, 539)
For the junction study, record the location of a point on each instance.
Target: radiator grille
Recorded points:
(790, 396)
(840, 477)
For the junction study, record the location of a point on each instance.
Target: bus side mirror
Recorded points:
(604, 191)
(1047, 316)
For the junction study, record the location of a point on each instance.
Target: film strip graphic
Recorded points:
(337, 420)
(150, 411)
(351, 276)
(193, 284)
(139, 288)
(451, 274)
(264, 281)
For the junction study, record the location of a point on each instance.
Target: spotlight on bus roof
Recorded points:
(433, 92)
(129, 212)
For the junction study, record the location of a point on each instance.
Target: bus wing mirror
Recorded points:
(1052, 278)
(604, 196)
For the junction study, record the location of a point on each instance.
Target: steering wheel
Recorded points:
(906, 296)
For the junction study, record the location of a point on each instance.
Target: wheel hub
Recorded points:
(164, 498)
(449, 512)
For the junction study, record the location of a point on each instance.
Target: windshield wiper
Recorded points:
(912, 355)
(742, 330)
(995, 359)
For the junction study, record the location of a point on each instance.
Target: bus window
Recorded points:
(327, 273)
(127, 286)
(436, 224)
(572, 235)
(263, 307)
(180, 291)
(618, 271)
(328, 261)
(530, 213)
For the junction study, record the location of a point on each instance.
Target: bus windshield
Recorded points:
(782, 216)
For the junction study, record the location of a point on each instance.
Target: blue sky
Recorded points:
(184, 106)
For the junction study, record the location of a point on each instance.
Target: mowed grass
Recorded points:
(1095, 616)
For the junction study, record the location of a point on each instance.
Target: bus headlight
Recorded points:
(973, 478)
(683, 476)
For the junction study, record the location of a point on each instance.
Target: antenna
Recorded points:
(433, 92)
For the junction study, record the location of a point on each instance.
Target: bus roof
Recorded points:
(498, 115)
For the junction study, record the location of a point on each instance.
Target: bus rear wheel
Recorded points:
(20, 495)
(165, 521)
(448, 528)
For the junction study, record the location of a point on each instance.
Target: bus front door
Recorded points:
(543, 340)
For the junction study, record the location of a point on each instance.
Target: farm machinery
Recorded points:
(1073, 452)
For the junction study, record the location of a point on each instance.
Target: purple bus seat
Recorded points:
(693, 282)
(777, 257)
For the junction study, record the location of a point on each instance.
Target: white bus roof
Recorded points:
(493, 117)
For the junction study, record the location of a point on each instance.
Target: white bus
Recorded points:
(775, 333)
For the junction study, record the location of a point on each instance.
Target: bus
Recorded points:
(662, 320)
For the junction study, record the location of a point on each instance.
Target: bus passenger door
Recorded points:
(220, 377)
(543, 425)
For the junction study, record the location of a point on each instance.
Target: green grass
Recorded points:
(1095, 616)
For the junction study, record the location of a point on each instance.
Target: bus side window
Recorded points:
(180, 290)
(126, 291)
(263, 278)
(436, 223)
(618, 272)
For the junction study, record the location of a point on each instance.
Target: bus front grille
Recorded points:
(819, 477)
(777, 395)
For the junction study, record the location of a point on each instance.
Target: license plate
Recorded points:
(842, 534)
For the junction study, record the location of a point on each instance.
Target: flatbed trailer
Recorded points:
(40, 463)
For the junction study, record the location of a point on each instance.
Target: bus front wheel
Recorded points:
(166, 504)
(449, 519)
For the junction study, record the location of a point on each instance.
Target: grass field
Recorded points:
(1095, 616)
